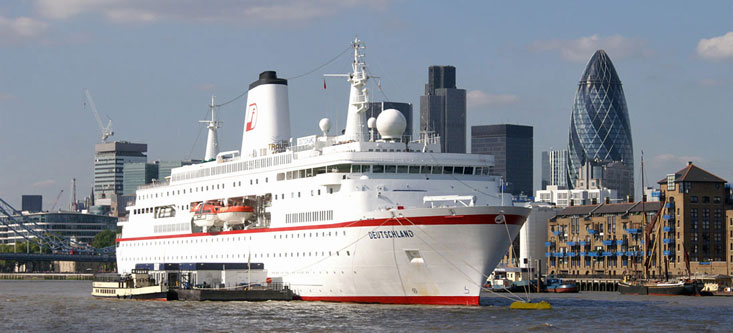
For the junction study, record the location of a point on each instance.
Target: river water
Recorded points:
(43, 306)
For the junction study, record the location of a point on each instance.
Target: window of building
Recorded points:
(693, 199)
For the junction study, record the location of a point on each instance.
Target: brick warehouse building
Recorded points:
(608, 239)
(696, 203)
(598, 240)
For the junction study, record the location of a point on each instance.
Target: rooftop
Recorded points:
(694, 173)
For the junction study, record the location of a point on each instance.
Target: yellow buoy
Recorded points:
(531, 306)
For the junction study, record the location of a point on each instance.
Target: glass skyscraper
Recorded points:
(600, 130)
(443, 109)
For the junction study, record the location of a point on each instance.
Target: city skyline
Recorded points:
(153, 67)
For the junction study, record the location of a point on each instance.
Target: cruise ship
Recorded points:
(364, 215)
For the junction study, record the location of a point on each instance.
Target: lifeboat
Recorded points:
(205, 214)
(233, 215)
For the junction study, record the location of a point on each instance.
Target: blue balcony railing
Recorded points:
(667, 253)
(591, 231)
(609, 254)
(548, 254)
(572, 243)
(667, 217)
(620, 242)
(668, 240)
(582, 243)
(633, 231)
(608, 242)
(548, 243)
(668, 229)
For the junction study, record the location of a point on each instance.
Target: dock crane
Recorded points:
(106, 131)
(56, 201)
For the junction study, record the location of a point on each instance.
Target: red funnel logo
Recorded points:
(251, 118)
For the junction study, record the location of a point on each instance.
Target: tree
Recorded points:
(104, 239)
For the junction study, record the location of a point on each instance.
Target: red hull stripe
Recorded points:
(397, 221)
(433, 300)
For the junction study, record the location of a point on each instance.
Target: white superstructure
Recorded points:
(339, 218)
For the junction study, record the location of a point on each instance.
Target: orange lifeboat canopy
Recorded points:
(236, 209)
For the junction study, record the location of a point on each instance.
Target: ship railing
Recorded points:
(446, 200)
(153, 185)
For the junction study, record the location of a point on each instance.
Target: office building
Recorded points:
(600, 129)
(554, 164)
(443, 109)
(31, 203)
(136, 174)
(375, 108)
(109, 161)
(511, 146)
(67, 225)
(576, 197)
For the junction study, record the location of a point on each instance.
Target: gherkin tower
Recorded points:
(600, 130)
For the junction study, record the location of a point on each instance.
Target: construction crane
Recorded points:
(57, 200)
(106, 131)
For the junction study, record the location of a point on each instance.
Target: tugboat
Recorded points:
(555, 285)
(138, 285)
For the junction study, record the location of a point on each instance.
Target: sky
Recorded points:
(152, 67)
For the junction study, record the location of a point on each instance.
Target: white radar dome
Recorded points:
(391, 124)
(325, 125)
(372, 122)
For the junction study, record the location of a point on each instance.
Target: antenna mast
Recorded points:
(358, 97)
(212, 142)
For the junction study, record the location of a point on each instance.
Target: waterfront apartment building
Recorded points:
(443, 109)
(512, 148)
(693, 221)
(68, 225)
(375, 108)
(109, 161)
(603, 240)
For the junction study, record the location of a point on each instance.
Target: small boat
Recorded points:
(660, 288)
(138, 285)
(527, 286)
(559, 286)
(210, 214)
(234, 214)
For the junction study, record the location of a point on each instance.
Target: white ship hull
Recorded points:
(439, 258)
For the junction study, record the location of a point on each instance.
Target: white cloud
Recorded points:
(20, 29)
(716, 48)
(581, 49)
(477, 98)
(239, 11)
(43, 183)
